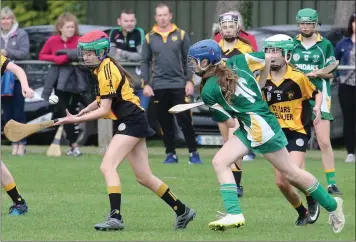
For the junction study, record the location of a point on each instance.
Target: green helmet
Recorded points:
(279, 41)
(307, 15)
(97, 41)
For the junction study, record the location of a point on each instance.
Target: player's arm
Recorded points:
(262, 78)
(91, 107)
(330, 58)
(21, 75)
(100, 112)
(218, 113)
(108, 83)
(311, 92)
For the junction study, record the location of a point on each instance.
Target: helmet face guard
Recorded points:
(224, 21)
(281, 42)
(307, 16)
(92, 50)
(205, 50)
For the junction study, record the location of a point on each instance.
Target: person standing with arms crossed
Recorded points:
(126, 45)
(312, 52)
(164, 52)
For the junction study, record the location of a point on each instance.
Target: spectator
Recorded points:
(126, 45)
(345, 53)
(68, 81)
(243, 33)
(165, 51)
(15, 46)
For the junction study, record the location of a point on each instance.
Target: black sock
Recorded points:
(237, 175)
(14, 193)
(301, 210)
(115, 201)
(167, 195)
(310, 199)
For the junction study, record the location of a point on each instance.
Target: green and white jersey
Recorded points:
(258, 125)
(317, 56)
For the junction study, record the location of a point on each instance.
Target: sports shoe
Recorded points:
(182, 220)
(76, 151)
(334, 190)
(110, 224)
(18, 209)
(313, 211)
(302, 220)
(171, 159)
(249, 157)
(228, 222)
(350, 158)
(240, 191)
(194, 158)
(337, 217)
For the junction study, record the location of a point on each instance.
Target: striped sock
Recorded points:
(229, 196)
(322, 196)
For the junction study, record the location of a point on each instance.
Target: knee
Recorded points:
(324, 144)
(217, 162)
(281, 183)
(105, 169)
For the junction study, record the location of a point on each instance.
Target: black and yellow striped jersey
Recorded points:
(4, 61)
(113, 84)
(239, 48)
(288, 99)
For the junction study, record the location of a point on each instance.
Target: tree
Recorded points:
(42, 12)
(344, 9)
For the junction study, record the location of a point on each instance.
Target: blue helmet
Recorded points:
(205, 49)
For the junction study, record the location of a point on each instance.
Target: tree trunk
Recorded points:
(344, 9)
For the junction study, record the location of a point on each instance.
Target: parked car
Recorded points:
(207, 130)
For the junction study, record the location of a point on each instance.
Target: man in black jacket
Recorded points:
(126, 46)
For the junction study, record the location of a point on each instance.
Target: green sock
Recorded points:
(320, 194)
(330, 176)
(231, 201)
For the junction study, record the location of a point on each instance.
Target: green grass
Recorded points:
(67, 196)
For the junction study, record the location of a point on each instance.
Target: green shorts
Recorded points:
(324, 87)
(264, 136)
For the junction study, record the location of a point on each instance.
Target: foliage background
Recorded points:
(43, 12)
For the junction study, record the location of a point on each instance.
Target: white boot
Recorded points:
(350, 158)
(228, 222)
(337, 217)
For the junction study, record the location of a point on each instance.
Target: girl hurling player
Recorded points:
(115, 100)
(287, 92)
(232, 91)
(311, 52)
(232, 44)
(7, 181)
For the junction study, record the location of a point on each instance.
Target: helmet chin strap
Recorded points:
(277, 67)
(230, 39)
(307, 35)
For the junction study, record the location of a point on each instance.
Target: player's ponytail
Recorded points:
(123, 70)
(227, 79)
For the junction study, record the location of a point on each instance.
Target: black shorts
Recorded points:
(296, 141)
(135, 125)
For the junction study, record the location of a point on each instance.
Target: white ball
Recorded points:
(53, 99)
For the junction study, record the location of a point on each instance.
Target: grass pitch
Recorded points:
(67, 196)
